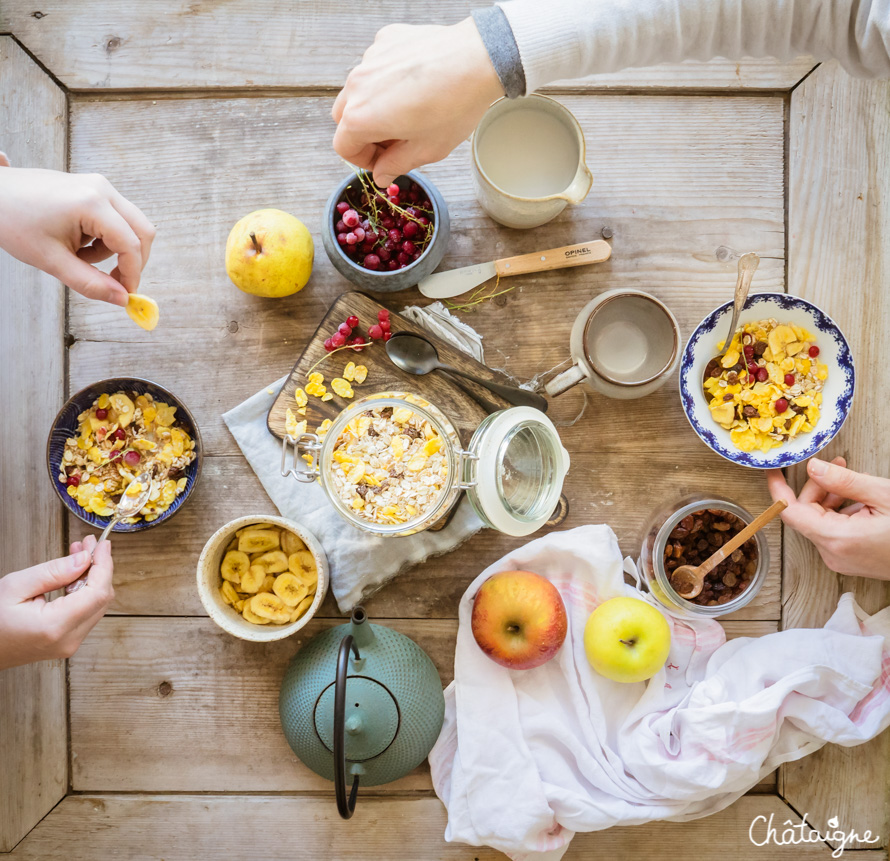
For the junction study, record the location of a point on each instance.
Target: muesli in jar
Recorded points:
(389, 465)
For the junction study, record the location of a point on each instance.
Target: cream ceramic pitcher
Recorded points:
(529, 161)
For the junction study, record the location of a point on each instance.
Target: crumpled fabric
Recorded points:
(527, 758)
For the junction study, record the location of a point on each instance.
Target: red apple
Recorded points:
(519, 619)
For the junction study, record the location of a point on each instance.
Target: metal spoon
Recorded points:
(130, 504)
(748, 264)
(415, 355)
(688, 580)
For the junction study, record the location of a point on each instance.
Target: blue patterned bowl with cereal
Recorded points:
(66, 428)
(780, 408)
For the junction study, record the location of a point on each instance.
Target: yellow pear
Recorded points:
(269, 253)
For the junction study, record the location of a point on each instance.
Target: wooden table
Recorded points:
(160, 738)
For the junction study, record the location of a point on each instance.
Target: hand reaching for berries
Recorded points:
(63, 223)
(34, 629)
(851, 539)
(418, 93)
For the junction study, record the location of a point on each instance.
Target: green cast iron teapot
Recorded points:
(362, 699)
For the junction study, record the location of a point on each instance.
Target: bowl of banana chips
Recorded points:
(262, 578)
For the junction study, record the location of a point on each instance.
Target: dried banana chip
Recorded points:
(269, 606)
(234, 566)
(254, 540)
(301, 608)
(290, 589)
(227, 590)
(252, 617)
(291, 543)
(252, 581)
(275, 561)
(301, 562)
(309, 578)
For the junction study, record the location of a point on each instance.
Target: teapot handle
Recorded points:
(346, 807)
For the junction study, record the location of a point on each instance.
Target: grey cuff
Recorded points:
(497, 36)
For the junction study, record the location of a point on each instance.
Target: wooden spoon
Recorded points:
(688, 580)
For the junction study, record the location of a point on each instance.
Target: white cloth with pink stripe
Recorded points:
(527, 758)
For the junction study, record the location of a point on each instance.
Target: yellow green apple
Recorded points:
(627, 640)
(519, 619)
(269, 253)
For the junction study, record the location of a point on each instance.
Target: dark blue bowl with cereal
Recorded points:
(111, 431)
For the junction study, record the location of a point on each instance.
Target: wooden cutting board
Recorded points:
(383, 375)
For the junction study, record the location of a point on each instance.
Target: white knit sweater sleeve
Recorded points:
(560, 39)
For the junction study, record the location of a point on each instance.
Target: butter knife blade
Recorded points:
(444, 285)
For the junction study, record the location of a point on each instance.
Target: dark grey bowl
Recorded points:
(400, 279)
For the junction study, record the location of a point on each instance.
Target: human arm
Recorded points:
(851, 539)
(34, 629)
(63, 223)
(419, 91)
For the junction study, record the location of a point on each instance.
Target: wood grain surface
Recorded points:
(383, 375)
(839, 258)
(289, 44)
(235, 827)
(179, 694)
(200, 112)
(33, 731)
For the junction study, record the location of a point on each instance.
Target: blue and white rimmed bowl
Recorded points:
(837, 395)
(66, 425)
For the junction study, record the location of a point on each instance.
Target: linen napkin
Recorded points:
(359, 562)
(526, 758)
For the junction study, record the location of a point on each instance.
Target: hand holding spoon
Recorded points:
(415, 355)
(688, 580)
(134, 497)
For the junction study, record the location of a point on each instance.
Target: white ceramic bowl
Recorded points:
(837, 395)
(209, 581)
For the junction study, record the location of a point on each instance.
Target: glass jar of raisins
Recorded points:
(687, 532)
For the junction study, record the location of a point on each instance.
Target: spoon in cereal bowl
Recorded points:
(131, 503)
(688, 580)
(748, 264)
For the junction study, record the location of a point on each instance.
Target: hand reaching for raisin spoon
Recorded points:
(851, 539)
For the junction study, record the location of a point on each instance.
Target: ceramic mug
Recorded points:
(529, 161)
(625, 344)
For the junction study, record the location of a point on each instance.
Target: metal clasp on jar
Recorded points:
(300, 469)
(466, 462)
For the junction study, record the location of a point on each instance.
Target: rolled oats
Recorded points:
(389, 465)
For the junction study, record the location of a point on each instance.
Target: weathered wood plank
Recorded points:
(231, 828)
(113, 44)
(33, 731)
(164, 705)
(839, 258)
(155, 570)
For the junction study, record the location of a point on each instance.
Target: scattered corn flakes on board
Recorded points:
(334, 385)
(268, 575)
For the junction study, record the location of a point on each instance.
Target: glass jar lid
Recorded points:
(515, 471)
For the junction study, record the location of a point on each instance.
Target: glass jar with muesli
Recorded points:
(687, 532)
(393, 464)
